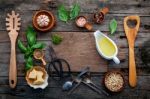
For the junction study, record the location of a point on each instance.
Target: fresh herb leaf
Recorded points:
(63, 13)
(22, 48)
(31, 46)
(28, 53)
(74, 11)
(56, 39)
(113, 26)
(29, 63)
(38, 46)
(31, 36)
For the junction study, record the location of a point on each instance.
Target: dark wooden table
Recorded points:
(118, 10)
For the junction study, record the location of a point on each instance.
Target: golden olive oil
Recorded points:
(106, 47)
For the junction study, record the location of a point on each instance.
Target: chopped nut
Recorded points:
(114, 82)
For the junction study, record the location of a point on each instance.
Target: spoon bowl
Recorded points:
(39, 54)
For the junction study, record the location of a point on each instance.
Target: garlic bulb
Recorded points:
(43, 20)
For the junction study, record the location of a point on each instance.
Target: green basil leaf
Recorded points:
(56, 39)
(22, 48)
(63, 13)
(74, 11)
(38, 46)
(29, 63)
(31, 36)
(29, 52)
(113, 26)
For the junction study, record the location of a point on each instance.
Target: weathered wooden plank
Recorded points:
(118, 37)
(123, 56)
(135, 6)
(70, 26)
(31, 6)
(118, 9)
(83, 92)
(141, 69)
(79, 50)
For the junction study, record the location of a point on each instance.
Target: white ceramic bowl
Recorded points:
(42, 86)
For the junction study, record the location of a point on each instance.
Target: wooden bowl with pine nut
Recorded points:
(114, 81)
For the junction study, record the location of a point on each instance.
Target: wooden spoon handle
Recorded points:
(43, 61)
(132, 67)
(88, 26)
(12, 67)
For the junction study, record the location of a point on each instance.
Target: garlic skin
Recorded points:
(43, 20)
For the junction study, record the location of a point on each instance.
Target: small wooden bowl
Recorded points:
(38, 68)
(46, 28)
(100, 16)
(117, 72)
(87, 25)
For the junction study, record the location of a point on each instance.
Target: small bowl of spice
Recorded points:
(114, 81)
(81, 21)
(43, 20)
(100, 16)
(39, 54)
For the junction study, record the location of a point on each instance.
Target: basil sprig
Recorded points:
(65, 15)
(74, 11)
(31, 45)
(31, 36)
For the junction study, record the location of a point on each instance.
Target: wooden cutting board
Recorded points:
(78, 48)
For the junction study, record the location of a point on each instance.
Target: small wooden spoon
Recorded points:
(131, 35)
(39, 54)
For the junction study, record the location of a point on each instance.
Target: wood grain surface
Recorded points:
(78, 54)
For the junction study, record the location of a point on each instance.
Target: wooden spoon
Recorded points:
(131, 35)
(13, 26)
(39, 54)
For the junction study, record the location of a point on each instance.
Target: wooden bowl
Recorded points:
(114, 72)
(38, 68)
(87, 25)
(98, 17)
(46, 28)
